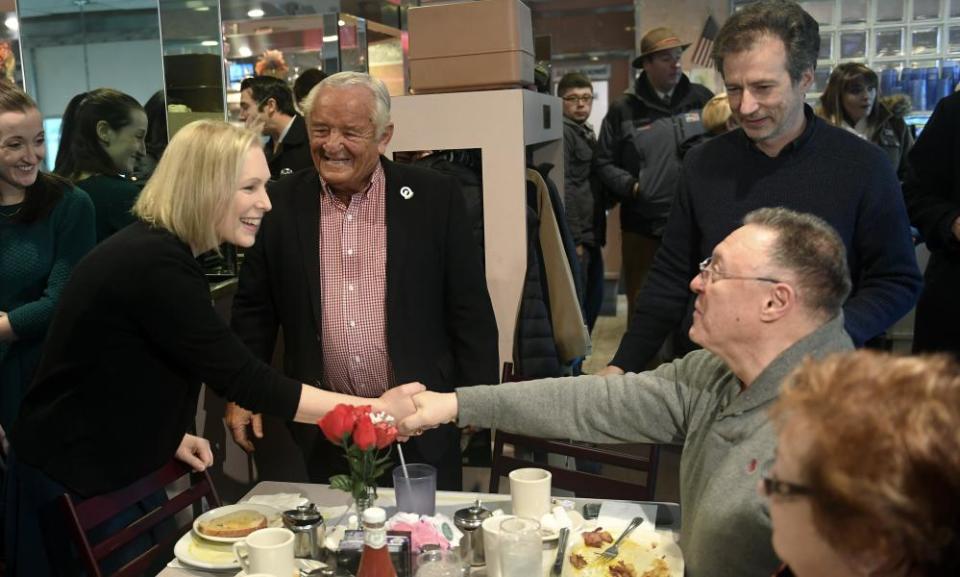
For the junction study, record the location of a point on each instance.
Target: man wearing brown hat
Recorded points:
(638, 156)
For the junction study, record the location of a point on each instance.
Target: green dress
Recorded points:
(35, 264)
(113, 197)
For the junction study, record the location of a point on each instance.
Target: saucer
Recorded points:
(576, 522)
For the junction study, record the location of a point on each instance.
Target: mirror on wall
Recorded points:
(192, 61)
(73, 46)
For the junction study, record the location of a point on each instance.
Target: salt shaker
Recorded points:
(471, 545)
(308, 530)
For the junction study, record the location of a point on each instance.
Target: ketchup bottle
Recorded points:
(375, 560)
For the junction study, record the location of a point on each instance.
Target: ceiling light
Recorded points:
(255, 13)
(12, 23)
(245, 52)
(209, 43)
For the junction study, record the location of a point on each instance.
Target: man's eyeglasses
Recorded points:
(578, 99)
(708, 274)
(774, 486)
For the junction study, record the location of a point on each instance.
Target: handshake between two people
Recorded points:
(413, 407)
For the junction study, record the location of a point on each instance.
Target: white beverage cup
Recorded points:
(530, 492)
(267, 551)
(491, 543)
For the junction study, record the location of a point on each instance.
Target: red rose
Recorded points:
(360, 411)
(337, 423)
(364, 435)
(386, 434)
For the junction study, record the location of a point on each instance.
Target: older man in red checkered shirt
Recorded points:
(371, 272)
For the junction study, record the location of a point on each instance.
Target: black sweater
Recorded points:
(827, 171)
(133, 337)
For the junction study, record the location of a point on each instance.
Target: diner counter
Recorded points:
(448, 502)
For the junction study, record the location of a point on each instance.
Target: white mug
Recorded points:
(530, 492)
(267, 551)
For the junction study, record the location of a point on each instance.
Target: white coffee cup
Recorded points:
(491, 543)
(530, 492)
(267, 551)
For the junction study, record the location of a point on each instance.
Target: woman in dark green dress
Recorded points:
(46, 226)
(101, 139)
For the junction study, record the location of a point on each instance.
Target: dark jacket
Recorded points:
(894, 136)
(932, 192)
(294, 152)
(441, 330)
(582, 190)
(639, 142)
(133, 339)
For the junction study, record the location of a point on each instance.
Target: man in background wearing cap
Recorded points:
(638, 155)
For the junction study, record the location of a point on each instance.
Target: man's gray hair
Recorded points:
(381, 96)
(812, 250)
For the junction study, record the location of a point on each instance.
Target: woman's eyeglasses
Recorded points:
(774, 486)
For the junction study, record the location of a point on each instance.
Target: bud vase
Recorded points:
(364, 502)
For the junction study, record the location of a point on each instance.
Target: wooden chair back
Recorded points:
(583, 484)
(82, 516)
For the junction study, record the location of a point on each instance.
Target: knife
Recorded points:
(557, 568)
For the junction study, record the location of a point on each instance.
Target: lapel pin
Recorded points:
(406, 192)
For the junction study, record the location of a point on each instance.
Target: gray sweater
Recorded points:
(695, 402)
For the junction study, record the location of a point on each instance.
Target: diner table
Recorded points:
(448, 502)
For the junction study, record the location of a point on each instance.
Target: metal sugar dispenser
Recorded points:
(469, 521)
(308, 530)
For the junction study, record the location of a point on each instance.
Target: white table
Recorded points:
(448, 502)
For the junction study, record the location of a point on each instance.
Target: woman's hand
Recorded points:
(433, 410)
(195, 452)
(6, 329)
(398, 401)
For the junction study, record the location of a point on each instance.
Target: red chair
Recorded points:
(85, 515)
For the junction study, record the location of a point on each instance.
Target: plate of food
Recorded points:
(234, 522)
(199, 553)
(642, 554)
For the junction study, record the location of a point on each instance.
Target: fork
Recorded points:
(611, 552)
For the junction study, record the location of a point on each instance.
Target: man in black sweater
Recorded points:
(783, 155)
(932, 190)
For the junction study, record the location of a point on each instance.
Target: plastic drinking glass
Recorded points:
(520, 548)
(416, 493)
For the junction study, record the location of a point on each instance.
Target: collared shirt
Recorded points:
(353, 286)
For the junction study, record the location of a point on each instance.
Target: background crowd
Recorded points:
(763, 240)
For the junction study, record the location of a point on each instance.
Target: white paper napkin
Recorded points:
(619, 513)
(279, 501)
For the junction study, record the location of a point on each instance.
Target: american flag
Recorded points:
(701, 53)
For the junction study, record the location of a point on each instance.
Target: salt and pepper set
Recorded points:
(469, 521)
(308, 530)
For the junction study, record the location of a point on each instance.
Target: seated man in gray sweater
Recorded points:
(770, 295)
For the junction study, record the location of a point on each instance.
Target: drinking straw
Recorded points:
(403, 466)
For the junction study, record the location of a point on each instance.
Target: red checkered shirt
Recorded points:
(353, 287)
